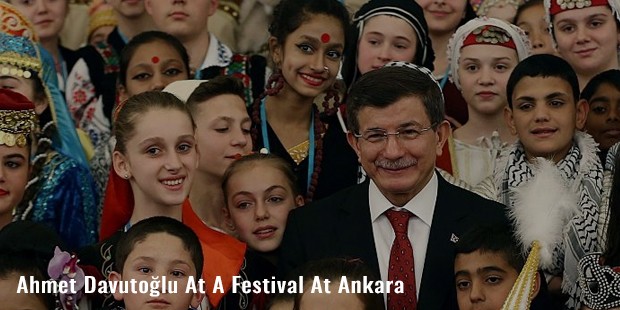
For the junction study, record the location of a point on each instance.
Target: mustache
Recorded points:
(400, 163)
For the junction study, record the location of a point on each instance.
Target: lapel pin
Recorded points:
(454, 238)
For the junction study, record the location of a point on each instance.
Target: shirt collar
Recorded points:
(218, 54)
(422, 205)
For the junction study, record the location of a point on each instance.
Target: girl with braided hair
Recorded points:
(306, 46)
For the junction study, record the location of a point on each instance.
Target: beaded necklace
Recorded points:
(311, 146)
(316, 146)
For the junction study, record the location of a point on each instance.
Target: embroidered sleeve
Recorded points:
(85, 106)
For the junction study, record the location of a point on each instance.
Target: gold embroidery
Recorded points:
(16, 126)
(299, 152)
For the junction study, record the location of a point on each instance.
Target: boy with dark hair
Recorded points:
(220, 85)
(151, 249)
(551, 178)
(603, 96)
(487, 263)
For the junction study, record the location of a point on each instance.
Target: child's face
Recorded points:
(159, 254)
(259, 210)
(484, 71)
(604, 117)
(160, 158)
(47, 16)
(545, 116)
(483, 280)
(315, 45)
(443, 16)
(13, 177)
(23, 86)
(13, 301)
(128, 9)
(385, 38)
(503, 11)
(332, 300)
(153, 66)
(222, 133)
(532, 21)
(587, 38)
(183, 19)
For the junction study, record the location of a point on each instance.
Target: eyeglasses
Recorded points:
(380, 135)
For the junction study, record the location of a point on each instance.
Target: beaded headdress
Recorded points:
(600, 285)
(17, 118)
(553, 7)
(484, 30)
(18, 54)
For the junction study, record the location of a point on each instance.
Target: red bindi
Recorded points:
(325, 38)
(155, 59)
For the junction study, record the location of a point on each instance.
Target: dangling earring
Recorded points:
(274, 83)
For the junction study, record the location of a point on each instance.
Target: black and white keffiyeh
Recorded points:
(556, 204)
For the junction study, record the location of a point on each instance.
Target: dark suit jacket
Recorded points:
(340, 226)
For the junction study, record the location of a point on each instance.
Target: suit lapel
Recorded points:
(354, 233)
(439, 262)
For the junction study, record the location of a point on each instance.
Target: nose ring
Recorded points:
(326, 69)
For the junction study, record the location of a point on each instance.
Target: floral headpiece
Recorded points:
(17, 118)
(484, 30)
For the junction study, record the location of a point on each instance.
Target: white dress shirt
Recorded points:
(422, 206)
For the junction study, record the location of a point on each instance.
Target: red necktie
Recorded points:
(401, 267)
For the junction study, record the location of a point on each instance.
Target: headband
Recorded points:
(514, 33)
(17, 118)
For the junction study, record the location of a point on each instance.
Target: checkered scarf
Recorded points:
(582, 174)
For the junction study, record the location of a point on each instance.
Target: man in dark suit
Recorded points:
(397, 128)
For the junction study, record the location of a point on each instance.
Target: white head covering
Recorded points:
(456, 42)
(575, 5)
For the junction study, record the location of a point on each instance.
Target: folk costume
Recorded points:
(472, 163)
(600, 282)
(571, 189)
(410, 12)
(553, 7)
(60, 192)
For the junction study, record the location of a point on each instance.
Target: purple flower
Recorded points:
(63, 268)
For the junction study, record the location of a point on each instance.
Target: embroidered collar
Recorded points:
(218, 54)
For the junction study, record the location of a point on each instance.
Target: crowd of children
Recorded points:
(107, 173)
